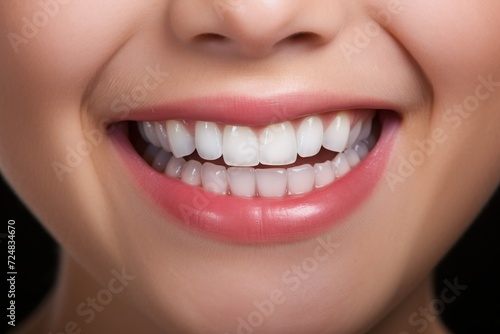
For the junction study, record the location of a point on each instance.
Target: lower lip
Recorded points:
(261, 220)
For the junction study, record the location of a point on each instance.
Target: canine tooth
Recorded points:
(161, 160)
(336, 136)
(150, 153)
(352, 157)
(191, 173)
(361, 149)
(208, 140)
(354, 134)
(150, 132)
(310, 137)
(278, 145)
(241, 181)
(366, 129)
(161, 133)
(341, 165)
(271, 182)
(240, 146)
(324, 174)
(214, 178)
(300, 179)
(180, 140)
(174, 167)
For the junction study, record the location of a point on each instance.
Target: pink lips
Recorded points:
(256, 219)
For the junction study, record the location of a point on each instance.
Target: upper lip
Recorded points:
(254, 111)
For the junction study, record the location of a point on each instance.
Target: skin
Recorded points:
(426, 57)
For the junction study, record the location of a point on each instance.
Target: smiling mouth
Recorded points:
(288, 158)
(253, 170)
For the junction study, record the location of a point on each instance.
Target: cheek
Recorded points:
(451, 42)
(59, 45)
(50, 54)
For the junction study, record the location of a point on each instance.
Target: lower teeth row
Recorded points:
(252, 182)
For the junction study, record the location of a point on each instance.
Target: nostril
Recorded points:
(302, 38)
(209, 37)
(303, 35)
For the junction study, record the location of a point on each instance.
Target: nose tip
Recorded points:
(253, 27)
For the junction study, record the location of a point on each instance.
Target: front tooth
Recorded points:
(240, 146)
(341, 165)
(180, 140)
(310, 137)
(161, 133)
(208, 140)
(300, 179)
(354, 134)
(324, 174)
(191, 173)
(241, 181)
(214, 178)
(271, 182)
(278, 145)
(161, 160)
(150, 132)
(336, 136)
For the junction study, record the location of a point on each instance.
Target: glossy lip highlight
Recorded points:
(259, 220)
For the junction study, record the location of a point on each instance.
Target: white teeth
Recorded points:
(271, 182)
(161, 133)
(278, 145)
(191, 173)
(300, 179)
(361, 149)
(366, 129)
(240, 146)
(310, 137)
(208, 140)
(241, 181)
(337, 134)
(180, 140)
(275, 145)
(174, 167)
(352, 157)
(214, 178)
(341, 165)
(150, 132)
(324, 174)
(354, 134)
(161, 160)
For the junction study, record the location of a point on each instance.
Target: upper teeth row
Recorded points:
(276, 144)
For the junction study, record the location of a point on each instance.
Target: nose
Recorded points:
(254, 28)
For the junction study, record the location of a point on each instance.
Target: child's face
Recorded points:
(71, 68)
